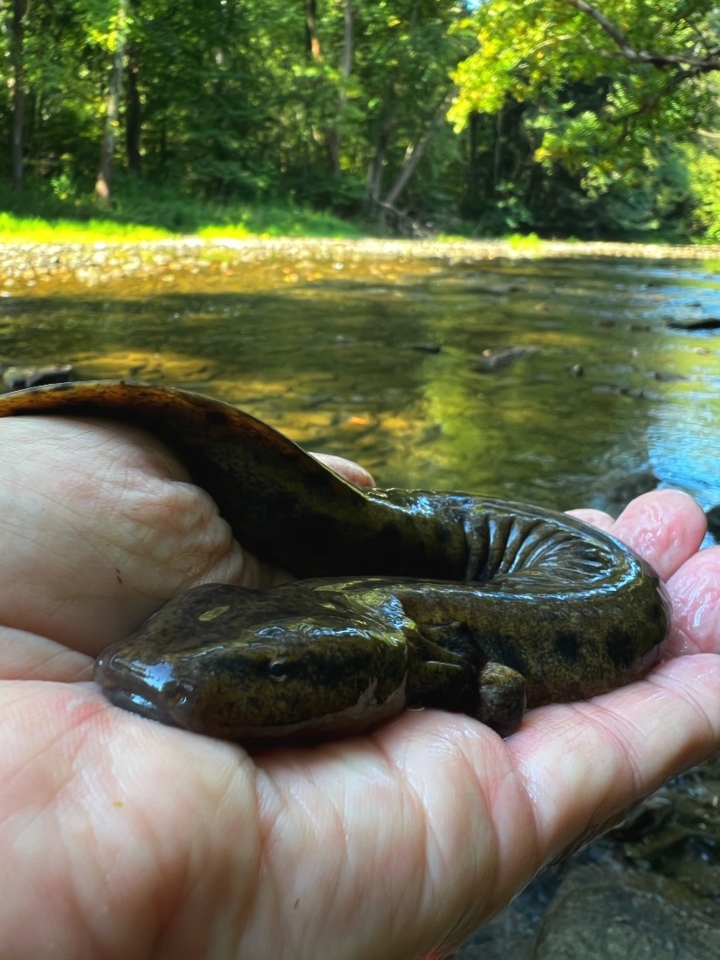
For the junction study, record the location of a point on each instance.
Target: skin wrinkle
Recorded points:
(60, 655)
(27, 693)
(188, 891)
(241, 906)
(145, 498)
(174, 903)
(133, 482)
(86, 888)
(194, 511)
(267, 793)
(412, 847)
(27, 656)
(697, 591)
(511, 778)
(305, 837)
(414, 802)
(365, 847)
(462, 924)
(592, 726)
(53, 795)
(467, 798)
(659, 679)
(615, 716)
(642, 522)
(599, 822)
(489, 809)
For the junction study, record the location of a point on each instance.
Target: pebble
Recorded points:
(93, 264)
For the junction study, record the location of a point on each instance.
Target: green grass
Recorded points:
(136, 214)
(38, 230)
(276, 221)
(522, 241)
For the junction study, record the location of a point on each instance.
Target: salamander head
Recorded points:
(242, 665)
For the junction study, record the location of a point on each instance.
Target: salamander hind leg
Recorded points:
(502, 698)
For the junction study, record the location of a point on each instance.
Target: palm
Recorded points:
(142, 840)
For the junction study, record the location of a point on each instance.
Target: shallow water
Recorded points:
(610, 401)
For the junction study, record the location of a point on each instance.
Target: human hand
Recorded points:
(119, 836)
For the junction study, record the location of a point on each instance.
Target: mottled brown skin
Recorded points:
(415, 599)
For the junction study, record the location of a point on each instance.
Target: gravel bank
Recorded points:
(27, 268)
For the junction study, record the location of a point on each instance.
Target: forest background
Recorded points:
(487, 118)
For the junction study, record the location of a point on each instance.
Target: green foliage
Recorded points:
(231, 120)
(703, 169)
(597, 113)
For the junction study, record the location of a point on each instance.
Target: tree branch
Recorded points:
(693, 65)
(415, 152)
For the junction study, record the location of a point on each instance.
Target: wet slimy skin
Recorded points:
(407, 598)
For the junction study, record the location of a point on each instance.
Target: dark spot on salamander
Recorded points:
(216, 418)
(390, 536)
(620, 648)
(567, 646)
(443, 533)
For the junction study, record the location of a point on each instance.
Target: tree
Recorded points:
(653, 61)
(409, 53)
(17, 57)
(114, 41)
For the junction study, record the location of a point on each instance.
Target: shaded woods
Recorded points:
(551, 116)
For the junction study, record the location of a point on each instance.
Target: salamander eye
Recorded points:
(177, 692)
(278, 670)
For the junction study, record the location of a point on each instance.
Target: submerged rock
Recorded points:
(702, 323)
(18, 378)
(599, 915)
(496, 358)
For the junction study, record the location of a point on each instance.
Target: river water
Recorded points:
(383, 362)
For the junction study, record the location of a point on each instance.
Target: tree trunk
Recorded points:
(471, 198)
(332, 134)
(414, 153)
(376, 168)
(132, 113)
(112, 112)
(334, 137)
(311, 34)
(497, 152)
(384, 126)
(17, 37)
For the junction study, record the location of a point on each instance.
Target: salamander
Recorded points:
(403, 599)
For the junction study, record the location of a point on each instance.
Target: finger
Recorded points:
(347, 469)
(27, 656)
(666, 527)
(695, 594)
(597, 518)
(585, 762)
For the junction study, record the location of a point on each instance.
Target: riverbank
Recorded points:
(34, 268)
